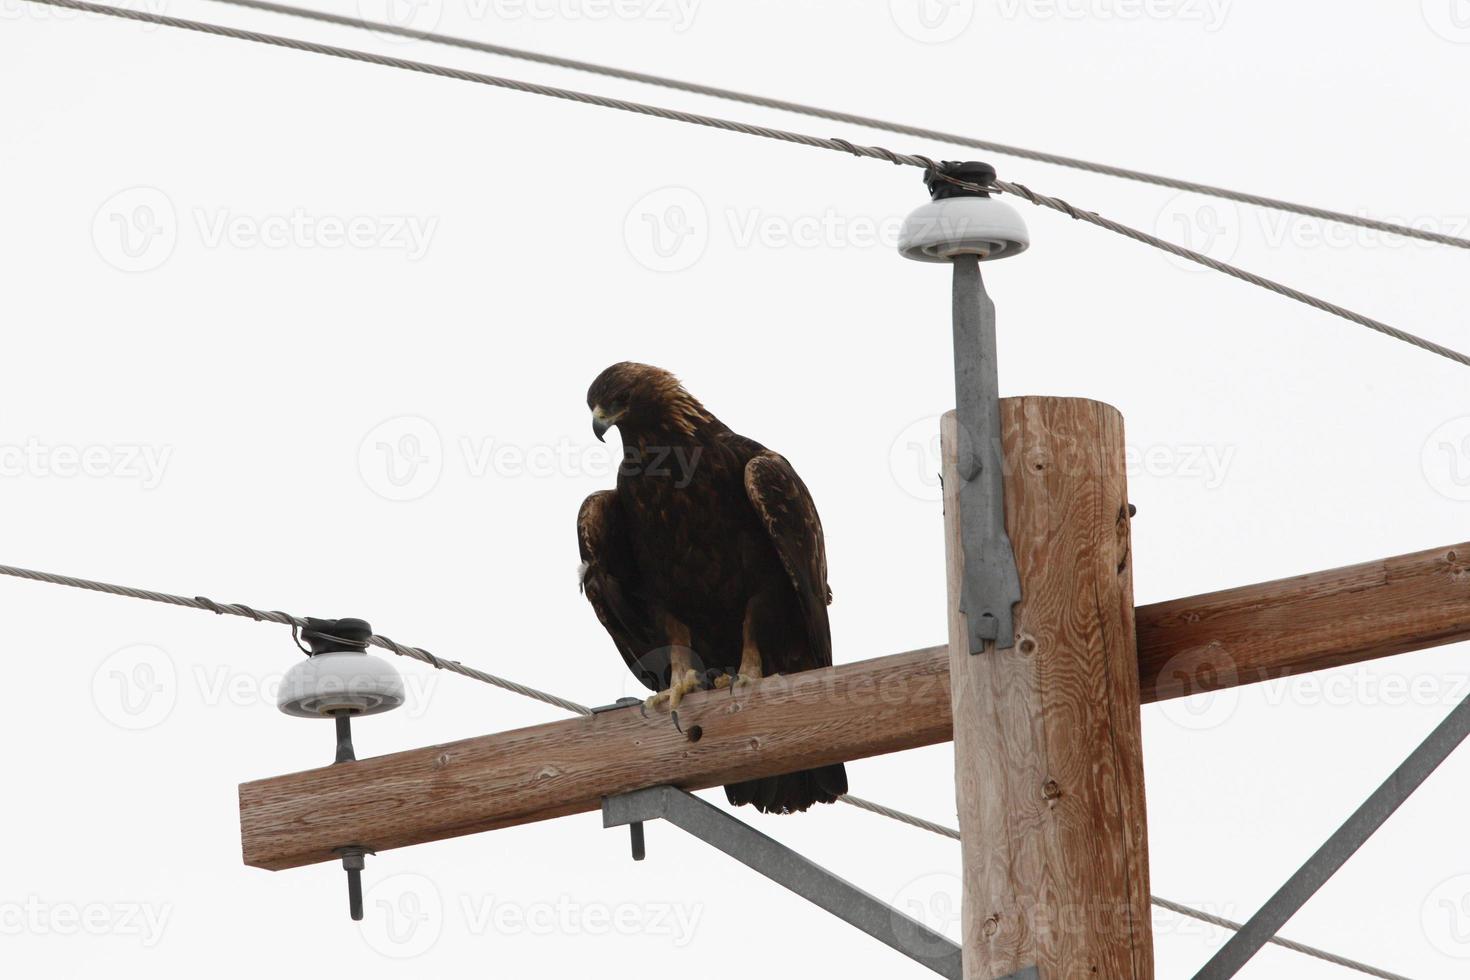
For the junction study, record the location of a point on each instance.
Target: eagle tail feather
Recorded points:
(791, 793)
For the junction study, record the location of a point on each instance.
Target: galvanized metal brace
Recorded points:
(790, 870)
(1343, 844)
(991, 585)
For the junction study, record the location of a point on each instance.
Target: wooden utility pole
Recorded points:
(1048, 753)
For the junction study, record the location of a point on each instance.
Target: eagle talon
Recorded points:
(680, 686)
(734, 681)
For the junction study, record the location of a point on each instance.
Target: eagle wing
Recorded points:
(610, 578)
(790, 517)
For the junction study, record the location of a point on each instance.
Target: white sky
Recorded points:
(249, 377)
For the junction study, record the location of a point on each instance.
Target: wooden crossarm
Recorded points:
(848, 712)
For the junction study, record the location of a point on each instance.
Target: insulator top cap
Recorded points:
(962, 220)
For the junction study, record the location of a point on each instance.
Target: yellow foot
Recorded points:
(682, 685)
(739, 680)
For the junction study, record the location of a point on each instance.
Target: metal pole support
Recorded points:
(992, 585)
(790, 870)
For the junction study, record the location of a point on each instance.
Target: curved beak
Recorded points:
(601, 422)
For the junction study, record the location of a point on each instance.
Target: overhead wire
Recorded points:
(767, 132)
(454, 666)
(1021, 190)
(868, 122)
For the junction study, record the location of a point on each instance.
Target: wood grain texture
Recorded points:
(1185, 646)
(782, 724)
(1048, 749)
(1309, 622)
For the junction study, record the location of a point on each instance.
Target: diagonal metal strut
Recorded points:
(1331, 856)
(790, 870)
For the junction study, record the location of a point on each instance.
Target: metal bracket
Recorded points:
(790, 870)
(353, 861)
(1343, 844)
(991, 585)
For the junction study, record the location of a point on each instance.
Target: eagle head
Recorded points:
(642, 398)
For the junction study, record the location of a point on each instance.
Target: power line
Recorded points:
(1163, 903)
(873, 152)
(286, 619)
(1057, 204)
(854, 119)
(418, 653)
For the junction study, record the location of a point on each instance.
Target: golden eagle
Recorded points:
(706, 564)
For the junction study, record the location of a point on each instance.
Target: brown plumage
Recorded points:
(707, 564)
